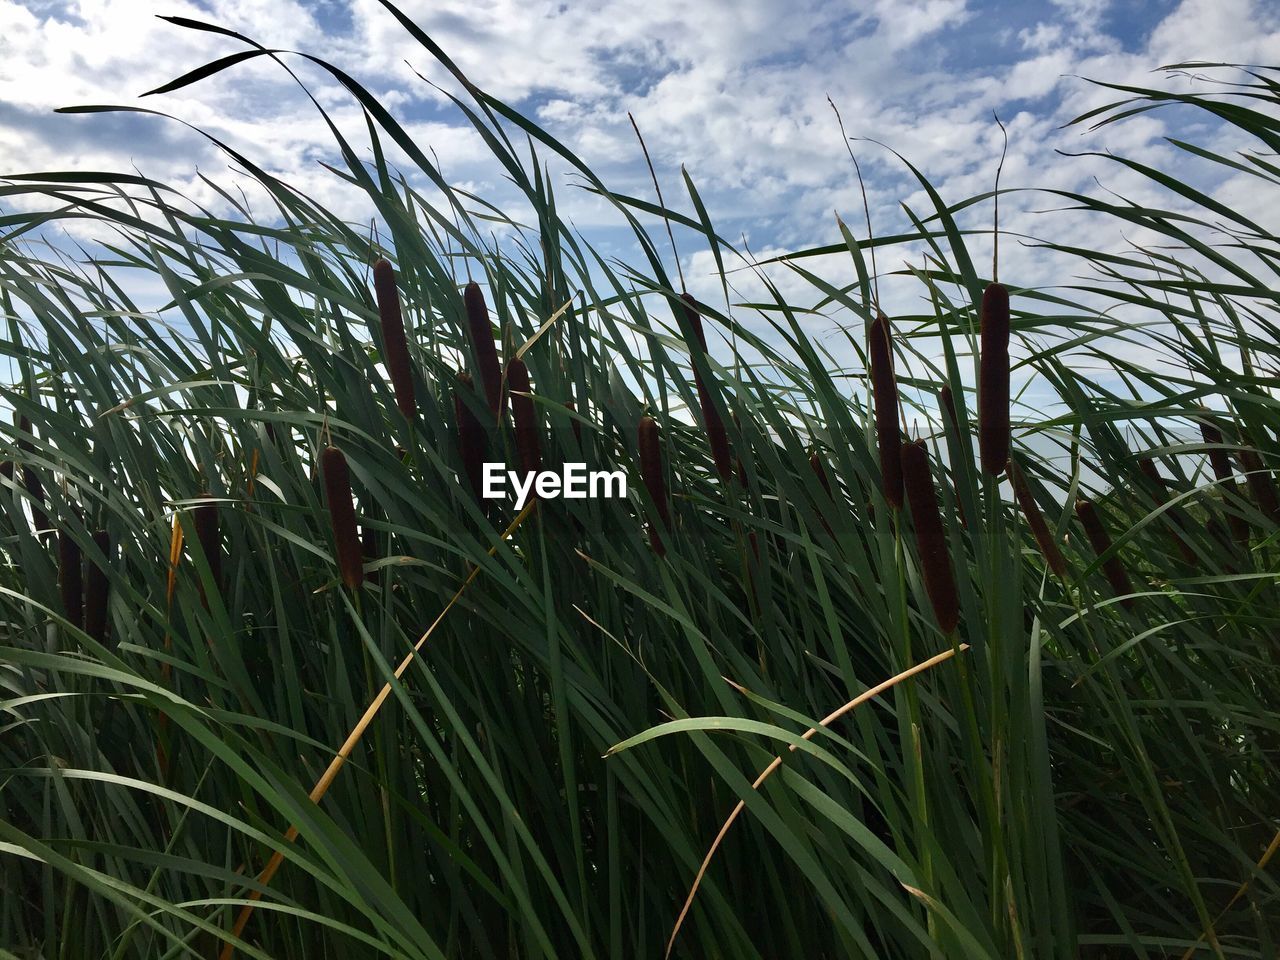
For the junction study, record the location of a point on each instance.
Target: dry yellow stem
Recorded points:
(335, 765)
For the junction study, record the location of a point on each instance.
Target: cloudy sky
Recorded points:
(736, 91)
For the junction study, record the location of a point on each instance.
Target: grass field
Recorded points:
(277, 683)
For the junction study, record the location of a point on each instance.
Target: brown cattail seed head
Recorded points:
(931, 541)
(884, 388)
(525, 415)
(471, 436)
(1099, 539)
(209, 534)
(993, 380)
(480, 332)
(819, 471)
(1222, 472)
(1035, 520)
(947, 403)
(342, 516)
(654, 480)
(717, 438)
(96, 590)
(70, 578)
(395, 346)
(1260, 483)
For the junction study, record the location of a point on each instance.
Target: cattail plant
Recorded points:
(71, 578)
(993, 380)
(1035, 520)
(31, 479)
(480, 332)
(369, 540)
(1152, 473)
(6, 470)
(884, 388)
(575, 423)
(819, 471)
(717, 438)
(395, 346)
(931, 541)
(1100, 540)
(947, 403)
(1222, 472)
(525, 415)
(342, 516)
(208, 532)
(1260, 483)
(472, 443)
(654, 481)
(96, 589)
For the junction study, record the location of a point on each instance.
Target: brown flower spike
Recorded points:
(717, 438)
(654, 481)
(931, 541)
(1100, 540)
(1220, 462)
(395, 345)
(1035, 520)
(993, 380)
(884, 388)
(480, 333)
(96, 589)
(71, 578)
(342, 516)
(525, 415)
(471, 437)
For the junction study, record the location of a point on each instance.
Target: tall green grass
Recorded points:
(1087, 775)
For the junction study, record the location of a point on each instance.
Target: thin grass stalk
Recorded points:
(1100, 540)
(1035, 520)
(525, 415)
(654, 481)
(931, 538)
(993, 380)
(483, 348)
(717, 438)
(884, 389)
(342, 516)
(395, 345)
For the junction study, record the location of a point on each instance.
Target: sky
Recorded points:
(738, 92)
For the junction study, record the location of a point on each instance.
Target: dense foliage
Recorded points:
(188, 636)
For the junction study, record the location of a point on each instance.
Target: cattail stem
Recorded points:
(480, 333)
(71, 578)
(395, 345)
(1100, 540)
(525, 415)
(884, 388)
(717, 438)
(654, 480)
(342, 516)
(96, 590)
(472, 443)
(993, 380)
(1035, 520)
(931, 540)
